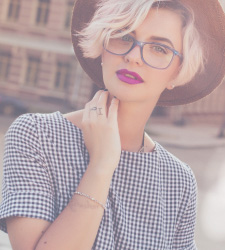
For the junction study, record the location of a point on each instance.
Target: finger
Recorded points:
(93, 113)
(113, 110)
(86, 112)
(92, 107)
(96, 97)
(102, 103)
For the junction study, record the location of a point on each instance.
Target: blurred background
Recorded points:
(40, 73)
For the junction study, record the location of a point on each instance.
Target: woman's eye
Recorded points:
(159, 49)
(127, 38)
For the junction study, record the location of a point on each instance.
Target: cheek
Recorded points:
(110, 65)
(107, 58)
(175, 68)
(161, 78)
(168, 75)
(107, 72)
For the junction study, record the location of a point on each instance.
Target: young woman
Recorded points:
(93, 179)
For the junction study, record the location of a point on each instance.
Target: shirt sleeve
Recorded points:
(27, 189)
(184, 236)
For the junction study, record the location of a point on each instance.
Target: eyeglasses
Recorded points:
(155, 55)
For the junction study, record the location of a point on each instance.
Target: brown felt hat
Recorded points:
(210, 22)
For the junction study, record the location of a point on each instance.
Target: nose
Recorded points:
(134, 56)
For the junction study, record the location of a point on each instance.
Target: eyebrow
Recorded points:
(163, 39)
(159, 39)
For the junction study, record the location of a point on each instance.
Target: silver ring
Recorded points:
(94, 108)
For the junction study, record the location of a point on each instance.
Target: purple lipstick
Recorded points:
(129, 77)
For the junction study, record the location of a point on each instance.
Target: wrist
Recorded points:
(101, 169)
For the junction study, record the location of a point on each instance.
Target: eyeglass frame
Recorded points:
(141, 45)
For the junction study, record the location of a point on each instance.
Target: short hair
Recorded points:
(114, 15)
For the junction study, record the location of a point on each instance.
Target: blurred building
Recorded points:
(37, 62)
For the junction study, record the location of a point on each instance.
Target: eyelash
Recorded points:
(128, 36)
(163, 50)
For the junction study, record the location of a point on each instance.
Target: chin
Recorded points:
(126, 92)
(127, 97)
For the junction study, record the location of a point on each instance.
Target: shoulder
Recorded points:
(175, 172)
(38, 122)
(47, 131)
(26, 124)
(34, 127)
(171, 162)
(24, 135)
(30, 120)
(23, 128)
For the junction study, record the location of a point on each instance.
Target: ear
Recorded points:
(102, 59)
(170, 86)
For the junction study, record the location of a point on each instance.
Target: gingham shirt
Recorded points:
(151, 202)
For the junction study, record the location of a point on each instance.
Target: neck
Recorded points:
(132, 118)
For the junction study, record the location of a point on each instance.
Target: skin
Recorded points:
(120, 127)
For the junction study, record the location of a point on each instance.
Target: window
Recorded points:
(69, 14)
(32, 71)
(62, 76)
(42, 12)
(14, 9)
(5, 58)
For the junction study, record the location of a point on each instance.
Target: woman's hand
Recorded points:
(101, 133)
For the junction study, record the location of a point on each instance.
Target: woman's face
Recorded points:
(162, 26)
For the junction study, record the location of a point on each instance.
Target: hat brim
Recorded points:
(210, 22)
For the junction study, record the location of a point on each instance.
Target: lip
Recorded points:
(123, 76)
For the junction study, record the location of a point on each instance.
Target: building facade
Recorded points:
(37, 62)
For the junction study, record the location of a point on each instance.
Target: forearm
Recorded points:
(77, 226)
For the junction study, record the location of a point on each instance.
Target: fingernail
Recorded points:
(105, 89)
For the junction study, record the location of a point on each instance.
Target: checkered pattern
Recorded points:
(152, 198)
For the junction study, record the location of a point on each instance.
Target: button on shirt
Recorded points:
(151, 202)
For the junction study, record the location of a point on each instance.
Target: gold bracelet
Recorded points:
(90, 198)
